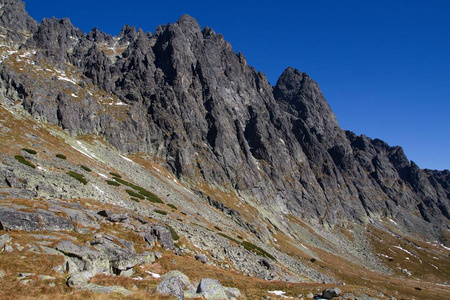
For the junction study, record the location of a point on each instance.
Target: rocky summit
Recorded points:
(152, 165)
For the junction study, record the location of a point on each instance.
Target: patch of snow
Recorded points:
(139, 278)
(73, 95)
(434, 266)
(42, 169)
(398, 247)
(157, 169)
(126, 158)
(435, 257)
(102, 175)
(82, 152)
(384, 255)
(66, 79)
(155, 275)
(99, 189)
(446, 248)
(282, 141)
(393, 221)
(278, 293)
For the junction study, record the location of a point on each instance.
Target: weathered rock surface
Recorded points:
(196, 104)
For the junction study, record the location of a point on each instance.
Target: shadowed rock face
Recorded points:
(195, 103)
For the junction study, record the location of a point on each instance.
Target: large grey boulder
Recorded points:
(211, 289)
(10, 219)
(85, 258)
(163, 236)
(80, 279)
(52, 222)
(78, 216)
(173, 286)
(331, 293)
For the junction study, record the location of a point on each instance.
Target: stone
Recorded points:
(232, 293)
(163, 236)
(80, 279)
(84, 258)
(211, 289)
(178, 274)
(113, 217)
(79, 217)
(266, 264)
(52, 222)
(106, 289)
(5, 238)
(201, 258)
(331, 293)
(11, 219)
(8, 248)
(310, 296)
(172, 286)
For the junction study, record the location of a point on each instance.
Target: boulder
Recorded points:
(80, 279)
(5, 238)
(201, 258)
(79, 217)
(211, 289)
(52, 222)
(106, 289)
(112, 217)
(86, 259)
(232, 293)
(11, 219)
(163, 236)
(173, 286)
(331, 293)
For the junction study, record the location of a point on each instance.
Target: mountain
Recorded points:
(180, 117)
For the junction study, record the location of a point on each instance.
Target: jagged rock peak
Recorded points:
(14, 17)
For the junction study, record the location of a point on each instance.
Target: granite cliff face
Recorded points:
(184, 96)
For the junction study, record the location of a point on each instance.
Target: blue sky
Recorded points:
(384, 66)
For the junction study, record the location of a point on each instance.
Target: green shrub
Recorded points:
(228, 237)
(134, 194)
(31, 151)
(85, 168)
(110, 182)
(174, 234)
(161, 212)
(172, 206)
(183, 213)
(240, 237)
(150, 196)
(77, 176)
(62, 156)
(218, 228)
(135, 199)
(23, 160)
(115, 174)
(251, 247)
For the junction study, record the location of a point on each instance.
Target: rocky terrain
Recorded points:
(127, 157)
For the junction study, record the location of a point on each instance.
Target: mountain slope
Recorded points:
(270, 161)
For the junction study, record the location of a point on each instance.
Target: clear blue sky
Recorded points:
(383, 65)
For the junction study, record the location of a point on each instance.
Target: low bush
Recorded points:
(251, 247)
(134, 194)
(62, 156)
(135, 199)
(85, 168)
(150, 196)
(77, 176)
(161, 212)
(174, 234)
(23, 160)
(31, 151)
(110, 182)
(228, 237)
(115, 174)
(218, 228)
(172, 206)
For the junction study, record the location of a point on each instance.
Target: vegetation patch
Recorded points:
(31, 151)
(251, 247)
(172, 206)
(62, 156)
(114, 183)
(134, 194)
(161, 212)
(143, 192)
(115, 174)
(174, 234)
(228, 237)
(135, 199)
(218, 228)
(87, 169)
(23, 160)
(77, 176)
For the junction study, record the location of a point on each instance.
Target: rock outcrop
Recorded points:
(183, 95)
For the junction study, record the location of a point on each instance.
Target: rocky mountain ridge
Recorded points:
(264, 158)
